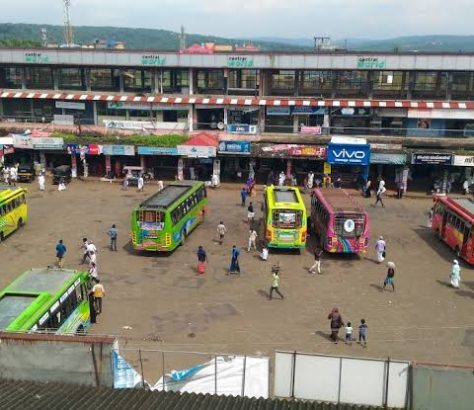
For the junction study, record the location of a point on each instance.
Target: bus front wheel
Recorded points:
(20, 223)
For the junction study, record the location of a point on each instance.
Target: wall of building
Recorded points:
(82, 360)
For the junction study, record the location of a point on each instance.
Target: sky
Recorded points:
(259, 18)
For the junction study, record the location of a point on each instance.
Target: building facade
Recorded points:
(416, 96)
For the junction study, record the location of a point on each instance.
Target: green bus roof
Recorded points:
(25, 300)
(170, 194)
(284, 197)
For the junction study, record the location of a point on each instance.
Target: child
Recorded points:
(363, 332)
(348, 333)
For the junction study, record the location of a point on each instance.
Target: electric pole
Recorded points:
(68, 34)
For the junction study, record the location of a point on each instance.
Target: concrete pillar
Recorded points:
(263, 89)
(449, 86)
(156, 81)
(370, 85)
(143, 161)
(94, 110)
(23, 78)
(191, 118)
(1, 109)
(121, 82)
(409, 80)
(55, 73)
(191, 81)
(295, 124)
(261, 119)
(288, 168)
(225, 117)
(296, 90)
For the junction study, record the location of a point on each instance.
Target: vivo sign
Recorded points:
(349, 154)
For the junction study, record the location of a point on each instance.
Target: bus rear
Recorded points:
(285, 216)
(148, 230)
(340, 222)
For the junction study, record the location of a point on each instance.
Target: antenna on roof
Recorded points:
(68, 34)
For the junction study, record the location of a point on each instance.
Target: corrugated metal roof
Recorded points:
(32, 395)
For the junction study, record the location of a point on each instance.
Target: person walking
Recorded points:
(60, 252)
(455, 274)
(336, 324)
(99, 293)
(281, 179)
(250, 213)
(380, 249)
(42, 182)
(363, 332)
(202, 259)
(317, 261)
(85, 255)
(140, 183)
(310, 180)
(390, 278)
(368, 186)
(348, 330)
(429, 223)
(243, 195)
(221, 231)
(380, 192)
(264, 254)
(275, 283)
(252, 240)
(93, 271)
(93, 311)
(234, 261)
(113, 233)
(91, 249)
(125, 184)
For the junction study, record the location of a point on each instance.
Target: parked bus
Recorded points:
(285, 217)
(163, 221)
(340, 223)
(452, 221)
(13, 209)
(46, 300)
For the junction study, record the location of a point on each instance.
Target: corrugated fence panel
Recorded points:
(283, 374)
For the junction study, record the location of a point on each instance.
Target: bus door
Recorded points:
(443, 224)
(466, 236)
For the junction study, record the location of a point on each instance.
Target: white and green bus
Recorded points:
(163, 221)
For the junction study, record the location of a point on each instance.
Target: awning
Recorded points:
(201, 145)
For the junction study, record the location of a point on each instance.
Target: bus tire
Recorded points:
(20, 223)
(457, 251)
(2, 238)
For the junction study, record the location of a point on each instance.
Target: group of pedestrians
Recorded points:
(10, 174)
(89, 255)
(337, 323)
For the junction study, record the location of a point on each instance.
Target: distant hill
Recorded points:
(428, 43)
(150, 39)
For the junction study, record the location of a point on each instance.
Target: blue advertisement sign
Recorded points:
(118, 150)
(234, 147)
(307, 110)
(242, 129)
(157, 151)
(348, 154)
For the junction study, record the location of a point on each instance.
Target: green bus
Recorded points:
(47, 300)
(162, 222)
(284, 217)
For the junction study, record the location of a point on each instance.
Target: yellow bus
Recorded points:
(13, 209)
(285, 218)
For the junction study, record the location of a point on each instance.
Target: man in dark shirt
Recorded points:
(60, 252)
(317, 261)
(202, 258)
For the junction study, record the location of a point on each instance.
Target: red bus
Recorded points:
(452, 221)
(339, 221)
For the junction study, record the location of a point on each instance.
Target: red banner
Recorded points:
(308, 151)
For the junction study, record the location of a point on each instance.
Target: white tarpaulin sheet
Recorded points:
(231, 378)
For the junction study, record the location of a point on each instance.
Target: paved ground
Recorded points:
(168, 307)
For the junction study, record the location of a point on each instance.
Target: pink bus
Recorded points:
(339, 221)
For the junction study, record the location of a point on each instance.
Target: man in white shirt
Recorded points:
(380, 191)
(252, 240)
(91, 249)
(140, 183)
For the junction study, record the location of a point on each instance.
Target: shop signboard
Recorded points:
(65, 119)
(22, 141)
(241, 129)
(234, 147)
(308, 151)
(386, 147)
(118, 150)
(32, 57)
(145, 106)
(196, 151)
(48, 143)
(393, 159)
(157, 151)
(278, 111)
(129, 125)
(94, 149)
(432, 158)
(317, 130)
(463, 160)
(305, 110)
(70, 105)
(348, 154)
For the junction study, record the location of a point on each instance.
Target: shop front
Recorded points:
(235, 160)
(391, 166)
(163, 161)
(294, 160)
(309, 119)
(209, 117)
(197, 158)
(279, 119)
(432, 171)
(242, 120)
(350, 160)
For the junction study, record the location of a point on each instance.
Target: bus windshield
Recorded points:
(286, 219)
